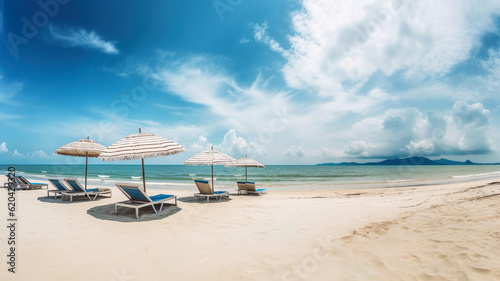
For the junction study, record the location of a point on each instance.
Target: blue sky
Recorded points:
(284, 82)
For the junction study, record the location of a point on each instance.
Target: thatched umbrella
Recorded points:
(141, 145)
(245, 162)
(209, 157)
(82, 148)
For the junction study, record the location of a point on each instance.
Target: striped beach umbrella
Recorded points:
(82, 148)
(141, 145)
(209, 157)
(245, 162)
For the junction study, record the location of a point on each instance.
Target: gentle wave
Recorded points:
(477, 175)
(103, 176)
(136, 177)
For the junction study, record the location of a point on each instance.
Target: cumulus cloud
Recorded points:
(39, 154)
(337, 46)
(236, 145)
(16, 154)
(408, 132)
(3, 147)
(79, 37)
(297, 151)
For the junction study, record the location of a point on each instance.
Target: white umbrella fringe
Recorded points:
(82, 148)
(140, 146)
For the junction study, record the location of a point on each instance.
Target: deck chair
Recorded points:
(18, 184)
(78, 190)
(242, 188)
(60, 188)
(33, 185)
(139, 199)
(251, 189)
(206, 191)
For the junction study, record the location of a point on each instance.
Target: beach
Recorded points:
(435, 232)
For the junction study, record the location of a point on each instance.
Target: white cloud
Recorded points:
(16, 154)
(3, 147)
(338, 45)
(237, 146)
(296, 151)
(407, 132)
(199, 80)
(79, 37)
(261, 35)
(39, 154)
(8, 91)
(244, 40)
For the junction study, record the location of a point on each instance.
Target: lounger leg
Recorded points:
(137, 213)
(116, 209)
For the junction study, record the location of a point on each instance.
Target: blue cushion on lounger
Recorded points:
(250, 182)
(159, 197)
(219, 192)
(262, 189)
(201, 181)
(92, 189)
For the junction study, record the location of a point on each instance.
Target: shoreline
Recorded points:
(283, 235)
(228, 185)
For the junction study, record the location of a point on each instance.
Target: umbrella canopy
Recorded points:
(245, 162)
(82, 148)
(141, 145)
(209, 157)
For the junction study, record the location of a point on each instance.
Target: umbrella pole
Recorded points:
(143, 176)
(213, 187)
(86, 164)
(246, 175)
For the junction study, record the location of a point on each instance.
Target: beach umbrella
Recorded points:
(209, 157)
(141, 145)
(82, 148)
(245, 162)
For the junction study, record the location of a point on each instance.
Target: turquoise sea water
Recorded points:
(279, 177)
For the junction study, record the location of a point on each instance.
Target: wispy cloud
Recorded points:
(79, 37)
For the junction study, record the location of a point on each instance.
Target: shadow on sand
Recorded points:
(76, 200)
(107, 212)
(190, 199)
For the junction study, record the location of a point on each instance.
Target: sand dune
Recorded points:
(447, 232)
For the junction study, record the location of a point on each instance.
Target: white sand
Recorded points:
(447, 232)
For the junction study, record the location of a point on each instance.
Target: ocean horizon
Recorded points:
(275, 177)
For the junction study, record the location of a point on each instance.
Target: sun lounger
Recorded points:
(242, 188)
(206, 191)
(60, 188)
(78, 190)
(32, 185)
(18, 184)
(251, 189)
(137, 199)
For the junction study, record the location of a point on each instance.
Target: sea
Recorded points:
(275, 177)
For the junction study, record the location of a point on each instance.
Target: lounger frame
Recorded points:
(91, 195)
(32, 185)
(250, 189)
(58, 191)
(136, 204)
(206, 191)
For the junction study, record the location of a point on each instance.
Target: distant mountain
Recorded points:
(407, 161)
(443, 161)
